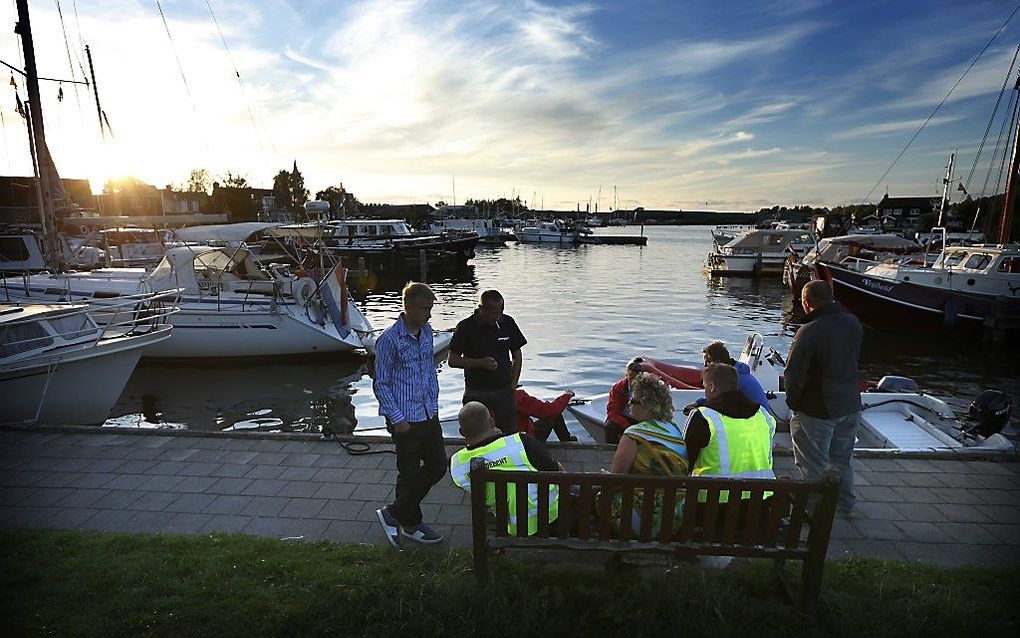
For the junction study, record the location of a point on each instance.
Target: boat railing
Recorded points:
(945, 244)
(129, 315)
(858, 264)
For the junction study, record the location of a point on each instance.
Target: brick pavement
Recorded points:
(947, 512)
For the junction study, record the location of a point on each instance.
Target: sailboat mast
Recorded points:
(945, 189)
(95, 91)
(1009, 202)
(24, 29)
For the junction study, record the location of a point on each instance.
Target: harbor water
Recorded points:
(585, 311)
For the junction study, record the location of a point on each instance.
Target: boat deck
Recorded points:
(947, 512)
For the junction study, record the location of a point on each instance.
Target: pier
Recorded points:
(940, 511)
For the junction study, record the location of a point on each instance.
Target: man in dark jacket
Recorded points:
(822, 389)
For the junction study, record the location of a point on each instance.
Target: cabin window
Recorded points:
(773, 240)
(13, 249)
(955, 257)
(22, 337)
(72, 326)
(1009, 265)
(388, 230)
(978, 261)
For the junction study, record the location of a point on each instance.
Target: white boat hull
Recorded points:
(79, 388)
(541, 238)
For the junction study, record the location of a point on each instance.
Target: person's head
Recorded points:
(418, 300)
(475, 422)
(650, 398)
(634, 368)
(716, 352)
(719, 378)
(815, 294)
(490, 307)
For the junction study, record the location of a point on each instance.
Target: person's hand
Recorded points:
(402, 427)
(489, 364)
(690, 407)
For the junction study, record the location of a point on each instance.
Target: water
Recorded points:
(585, 311)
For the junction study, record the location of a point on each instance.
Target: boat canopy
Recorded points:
(180, 264)
(241, 231)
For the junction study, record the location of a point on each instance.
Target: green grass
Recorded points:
(92, 584)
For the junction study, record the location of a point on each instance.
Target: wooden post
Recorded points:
(479, 549)
(818, 538)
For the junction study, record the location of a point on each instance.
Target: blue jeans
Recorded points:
(822, 443)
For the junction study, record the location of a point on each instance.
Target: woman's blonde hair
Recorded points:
(654, 395)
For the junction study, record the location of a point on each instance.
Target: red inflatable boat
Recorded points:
(679, 377)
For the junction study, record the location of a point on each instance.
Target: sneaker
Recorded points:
(390, 526)
(421, 533)
(845, 512)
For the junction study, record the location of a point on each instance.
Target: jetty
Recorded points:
(298, 486)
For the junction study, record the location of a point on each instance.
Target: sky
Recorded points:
(655, 103)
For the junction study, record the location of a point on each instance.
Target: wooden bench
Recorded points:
(793, 524)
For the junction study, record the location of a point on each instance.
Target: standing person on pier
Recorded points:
(822, 389)
(407, 388)
(487, 345)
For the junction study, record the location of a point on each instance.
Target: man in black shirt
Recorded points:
(487, 345)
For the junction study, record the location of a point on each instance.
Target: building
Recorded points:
(19, 203)
(903, 213)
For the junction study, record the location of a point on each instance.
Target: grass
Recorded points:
(92, 584)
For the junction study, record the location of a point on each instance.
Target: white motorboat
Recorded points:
(856, 251)
(761, 251)
(59, 366)
(230, 308)
(487, 230)
(554, 232)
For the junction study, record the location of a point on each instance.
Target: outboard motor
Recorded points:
(899, 385)
(991, 410)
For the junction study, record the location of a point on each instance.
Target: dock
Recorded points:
(298, 486)
(613, 240)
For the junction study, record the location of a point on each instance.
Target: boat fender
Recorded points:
(303, 290)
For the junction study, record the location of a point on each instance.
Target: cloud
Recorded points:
(888, 128)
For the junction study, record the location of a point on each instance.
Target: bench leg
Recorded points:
(811, 579)
(784, 581)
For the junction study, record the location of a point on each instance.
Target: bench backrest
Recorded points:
(753, 526)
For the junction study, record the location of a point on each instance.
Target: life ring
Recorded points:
(303, 290)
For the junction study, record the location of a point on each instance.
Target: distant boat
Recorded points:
(487, 230)
(554, 232)
(756, 252)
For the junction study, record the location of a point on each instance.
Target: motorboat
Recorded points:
(966, 286)
(390, 243)
(761, 251)
(487, 230)
(555, 232)
(895, 417)
(59, 365)
(855, 251)
(231, 307)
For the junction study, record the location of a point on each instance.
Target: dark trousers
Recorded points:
(421, 462)
(500, 403)
(543, 427)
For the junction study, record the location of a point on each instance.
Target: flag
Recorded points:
(334, 295)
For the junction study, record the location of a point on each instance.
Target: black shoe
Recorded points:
(421, 533)
(570, 438)
(390, 526)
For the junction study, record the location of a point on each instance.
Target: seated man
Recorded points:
(618, 417)
(716, 352)
(730, 435)
(548, 413)
(505, 452)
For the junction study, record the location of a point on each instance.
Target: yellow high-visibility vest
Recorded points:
(506, 453)
(741, 448)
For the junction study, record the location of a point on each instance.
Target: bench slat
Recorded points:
(543, 511)
(668, 516)
(501, 509)
(710, 512)
(567, 508)
(732, 511)
(692, 510)
(605, 504)
(751, 523)
(584, 507)
(627, 513)
(522, 507)
(796, 519)
(647, 513)
(780, 508)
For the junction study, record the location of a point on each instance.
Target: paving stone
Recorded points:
(842, 528)
(187, 523)
(276, 527)
(148, 521)
(880, 549)
(126, 481)
(265, 506)
(82, 498)
(961, 513)
(116, 499)
(459, 514)
(972, 533)
(108, 520)
(47, 496)
(264, 472)
(191, 484)
(336, 490)
(56, 479)
(225, 523)
(346, 531)
(996, 481)
(228, 504)
(957, 495)
(838, 550)
(301, 459)
(193, 503)
(28, 478)
(1000, 513)
(179, 454)
(230, 470)
(1008, 534)
(160, 482)
(882, 479)
(136, 466)
(876, 494)
(878, 529)
(337, 509)
(237, 457)
(921, 512)
(200, 468)
(144, 454)
(13, 495)
(264, 487)
(923, 532)
(447, 494)
(367, 476)
(333, 475)
(229, 486)
(32, 517)
(154, 501)
(916, 494)
(303, 508)
(331, 460)
(931, 553)
(997, 497)
(268, 458)
(69, 517)
(94, 480)
(301, 489)
(298, 473)
(207, 456)
(368, 509)
(72, 464)
(372, 492)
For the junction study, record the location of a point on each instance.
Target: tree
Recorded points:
(128, 183)
(200, 181)
(289, 189)
(234, 180)
(337, 198)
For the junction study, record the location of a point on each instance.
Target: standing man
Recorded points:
(487, 345)
(822, 389)
(407, 389)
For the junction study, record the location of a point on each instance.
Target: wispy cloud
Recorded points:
(889, 128)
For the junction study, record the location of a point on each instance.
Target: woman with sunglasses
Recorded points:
(653, 446)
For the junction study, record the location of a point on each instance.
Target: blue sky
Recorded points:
(729, 105)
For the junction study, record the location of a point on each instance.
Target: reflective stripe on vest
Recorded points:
(737, 448)
(505, 454)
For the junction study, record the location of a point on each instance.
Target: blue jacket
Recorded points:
(747, 385)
